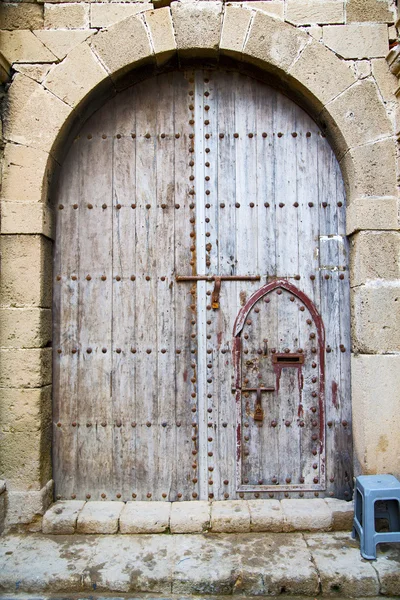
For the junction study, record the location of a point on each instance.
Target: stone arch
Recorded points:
(41, 115)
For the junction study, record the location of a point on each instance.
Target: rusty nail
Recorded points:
(281, 204)
(89, 350)
(274, 480)
(58, 424)
(328, 349)
(314, 379)
(224, 424)
(287, 423)
(344, 423)
(288, 480)
(148, 424)
(311, 204)
(280, 134)
(309, 322)
(301, 480)
(133, 350)
(134, 496)
(103, 424)
(342, 348)
(61, 206)
(313, 409)
(88, 496)
(329, 423)
(103, 277)
(314, 437)
(74, 350)
(315, 480)
(178, 423)
(133, 277)
(301, 423)
(73, 424)
(148, 351)
(312, 277)
(133, 205)
(294, 134)
(340, 204)
(75, 206)
(88, 424)
(314, 394)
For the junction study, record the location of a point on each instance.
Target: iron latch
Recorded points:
(217, 283)
(258, 409)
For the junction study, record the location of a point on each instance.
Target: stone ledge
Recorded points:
(232, 516)
(247, 565)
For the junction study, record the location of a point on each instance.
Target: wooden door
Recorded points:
(189, 205)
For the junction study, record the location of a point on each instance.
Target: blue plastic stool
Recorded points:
(368, 490)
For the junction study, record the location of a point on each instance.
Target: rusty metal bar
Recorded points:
(261, 389)
(221, 277)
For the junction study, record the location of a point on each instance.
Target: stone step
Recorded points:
(230, 516)
(246, 564)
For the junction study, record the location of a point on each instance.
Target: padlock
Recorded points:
(258, 413)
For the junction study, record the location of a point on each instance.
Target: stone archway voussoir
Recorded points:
(273, 45)
(77, 76)
(123, 46)
(197, 28)
(356, 117)
(35, 116)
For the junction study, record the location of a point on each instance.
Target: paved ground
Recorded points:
(250, 564)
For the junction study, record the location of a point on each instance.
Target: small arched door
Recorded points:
(182, 200)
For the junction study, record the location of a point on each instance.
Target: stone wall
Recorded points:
(59, 55)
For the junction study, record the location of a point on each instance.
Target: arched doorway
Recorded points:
(180, 199)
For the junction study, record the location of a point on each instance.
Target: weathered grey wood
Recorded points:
(201, 172)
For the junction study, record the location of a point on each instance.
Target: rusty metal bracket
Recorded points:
(215, 293)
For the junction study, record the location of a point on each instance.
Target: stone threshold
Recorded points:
(242, 565)
(228, 516)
